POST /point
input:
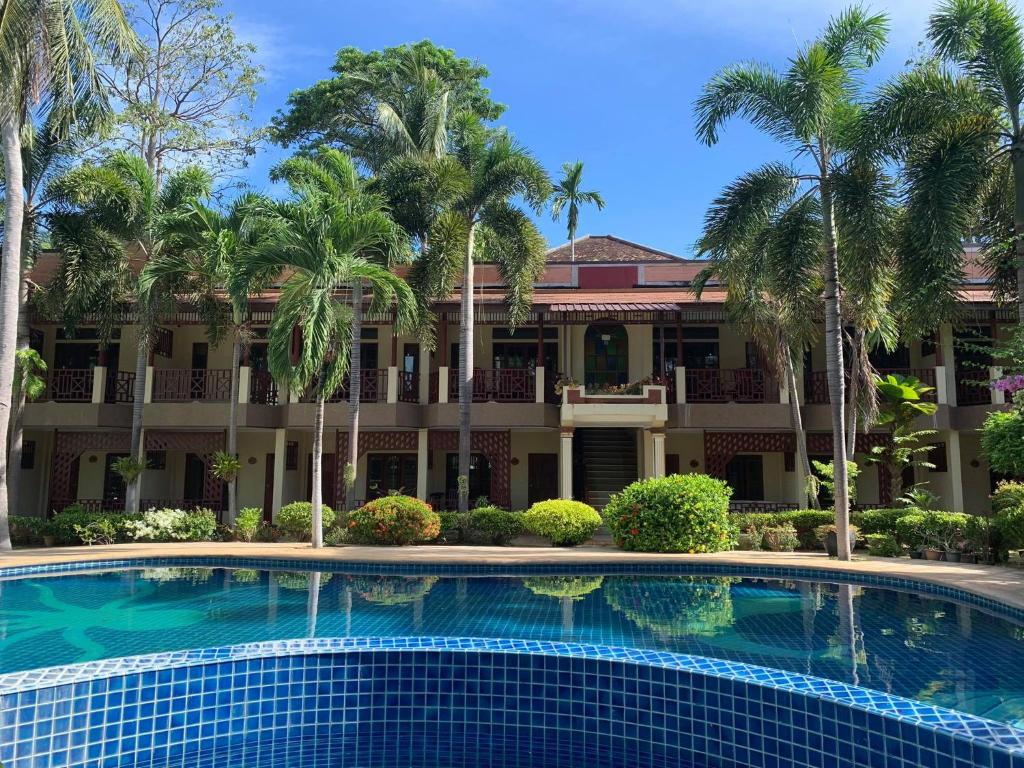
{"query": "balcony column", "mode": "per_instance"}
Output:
(954, 465)
(442, 384)
(680, 384)
(998, 395)
(424, 374)
(538, 384)
(392, 384)
(647, 448)
(148, 397)
(422, 462)
(99, 383)
(565, 463)
(280, 451)
(244, 376)
(658, 444)
(946, 360)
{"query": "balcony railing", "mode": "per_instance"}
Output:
(972, 388)
(761, 506)
(817, 384)
(725, 385)
(498, 385)
(120, 387)
(183, 385)
(70, 385)
(374, 388)
(408, 387)
(262, 388)
(213, 504)
(924, 375)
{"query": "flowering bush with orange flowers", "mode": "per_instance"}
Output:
(394, 520)
(679, 513)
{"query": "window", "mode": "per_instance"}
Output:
(113, 483)
(606, 355)
(28, 454)
(937, 456)
(479, 476)
(387, 473)
(291, 455)
(156, 459)
(745, 473)
(700, 347)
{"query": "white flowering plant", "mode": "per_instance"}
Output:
(173, 525)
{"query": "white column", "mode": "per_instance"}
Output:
(783, 391)
(392, 384)
(941, 387)
(680, 384)
(424, 374)
(998, 395)
(148, 397)
(955, 468)
(99, 383)
(422, 460)
(244, 373)
(442, 384)
(565, 465)
(647, 447)
(538, 384)
(948, 361)
(658, 439)
(280, 452)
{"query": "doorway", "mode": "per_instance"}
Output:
(542, 477)
(606, 356)
(390, 473)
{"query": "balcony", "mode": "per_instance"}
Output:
(497, 385)
(69, 385)
(120, 387)
(408, 387)
(726, 385)
(262, 388)
(374, 388)
(186, 385)
(816, 385)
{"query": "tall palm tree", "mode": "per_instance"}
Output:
(321, 240)
(47, 56)
(813, 109)
(106, 217)
(773, 275)
(484, 221)
(330, 173)
(955, 123)
(570, 195)
(209, 247)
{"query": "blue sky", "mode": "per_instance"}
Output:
(610, 82)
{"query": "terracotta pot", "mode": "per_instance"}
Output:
(933, 554)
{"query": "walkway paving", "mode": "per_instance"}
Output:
(999, 583)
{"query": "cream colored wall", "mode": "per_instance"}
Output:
(732, 349)
(689, 446)
(34, 482)
(252, 477)
(523, 444)
(975, 479)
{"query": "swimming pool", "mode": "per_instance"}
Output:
(918, 646)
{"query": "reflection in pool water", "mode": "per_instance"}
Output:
(911, 645)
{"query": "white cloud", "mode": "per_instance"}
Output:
(279, 48)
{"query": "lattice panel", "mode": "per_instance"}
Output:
(495, 445)
(203, 444)
(369, 441)
(720, 447)
(821, 442)
(68, 447)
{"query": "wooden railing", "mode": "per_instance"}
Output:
(374, 388)
(213, 504)
(408, 387)
(262, 388)
(120, 387)
(761, 506)
(817, 385)
(498, 385)
(724, 385)
(925, 375)
(972, 388)
(70, 385)
(182, 385)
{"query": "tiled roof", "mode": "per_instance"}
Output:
(606, 249)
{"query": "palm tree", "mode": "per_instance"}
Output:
(483, 220)
(958, 131)
(813, 109)
(328, 172)
(321, 240)
(568, 194)
(208, 249)
(47, 55)
(773, 276)
(106, 216)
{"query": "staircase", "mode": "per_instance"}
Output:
(609, 462)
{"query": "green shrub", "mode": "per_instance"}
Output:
(454, 527)
(679, 513)
(336, 537)
(679, 607)
(28, 531)
(911, 529)
(392, 590)
(248, 523)
(568, 587)
(100, 531)
(1007, 495)
(564, 521)
(883, 545)
(1002, 441)
(879, 520)
(173, 525)
(803, 520)
(394, 520)
(63, 526)
(779, 538)
(295, 520)
(494, 525)
(1009, 526)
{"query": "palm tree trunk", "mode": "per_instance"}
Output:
(798, 424)
(312, 603)
(236, 364)
(834, 367)
(133, 492)
(18, 417)
(1017, 159)
(572, 249)
(466, 373)
(317, 491)
(355, 387)
(855, 374)
(10, 274)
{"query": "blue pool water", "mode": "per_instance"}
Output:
(920, 647)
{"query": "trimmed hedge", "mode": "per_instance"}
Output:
(64, 525)
(494, 525)
(871, 521)
(567, 523)
(678, 513)
(804, 521)
(396, 520)
(296, 519)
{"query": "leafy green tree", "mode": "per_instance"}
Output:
(47, 57)
(330, 173)
(105, 216)
(570, 195)
(814, 109)
(484, 221)
(772, 270)
(901, 402)
(320, 239)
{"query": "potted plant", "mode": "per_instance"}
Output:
(751, 538)
(827, 535)
(49, 533)
(976, 538)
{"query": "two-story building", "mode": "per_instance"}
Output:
(552, 412)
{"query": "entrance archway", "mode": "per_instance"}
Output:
(606, 355)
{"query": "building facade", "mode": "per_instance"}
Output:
(619, 373)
